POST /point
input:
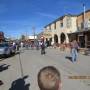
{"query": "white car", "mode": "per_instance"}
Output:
(5, 49)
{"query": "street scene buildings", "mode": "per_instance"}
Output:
(44, 42)
(68, 27)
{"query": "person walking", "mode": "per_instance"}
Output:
(42, 48)
(14, 46)
(22, 46)
(49, 78)
(74, 50)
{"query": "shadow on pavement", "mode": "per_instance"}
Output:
(1, 82)
(3, 67)
(69, 58)
(19, 84)
(5, 57)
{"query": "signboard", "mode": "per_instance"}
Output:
(47, 34)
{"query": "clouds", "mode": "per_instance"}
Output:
(16, 16)
(47, 15)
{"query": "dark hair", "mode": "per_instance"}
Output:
(49, 78)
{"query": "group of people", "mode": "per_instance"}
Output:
(38, 45)
(49, 77)
(74, 46)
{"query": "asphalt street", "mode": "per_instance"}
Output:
(20, 71)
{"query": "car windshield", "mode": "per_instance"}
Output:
(3, 45)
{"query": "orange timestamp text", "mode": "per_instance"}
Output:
(79, 77)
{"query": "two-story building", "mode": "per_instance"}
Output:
(69, 27)
(83, 29)
(61, 27)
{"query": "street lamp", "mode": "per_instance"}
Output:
(84, 15)
(33, 28)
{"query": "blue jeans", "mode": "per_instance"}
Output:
(74, 54)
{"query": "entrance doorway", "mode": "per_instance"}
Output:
(55, 38)
(50, 40)
(82, 41)
(62, 37)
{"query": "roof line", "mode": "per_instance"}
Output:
(60, 18)
(83, 12)
(64, 16)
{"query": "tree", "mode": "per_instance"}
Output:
(22, 37)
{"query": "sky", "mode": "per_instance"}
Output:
(18, 17)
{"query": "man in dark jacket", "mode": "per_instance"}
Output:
(42, 48)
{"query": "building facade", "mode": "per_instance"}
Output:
(82, 35)
(84, 29)
(69, 27)
(61, 27)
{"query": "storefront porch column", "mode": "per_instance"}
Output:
(85, 40)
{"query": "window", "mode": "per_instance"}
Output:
(50, 27)
(82, 25)
(61, 25)
(68, 22)
(55, 25)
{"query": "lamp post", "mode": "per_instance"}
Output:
(84, 25)
(84, 15)
(33, 28)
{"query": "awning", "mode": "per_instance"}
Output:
(80, 31)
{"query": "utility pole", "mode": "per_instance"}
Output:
(84, 15)
(26, 35)
(33, 28)
(84, 25)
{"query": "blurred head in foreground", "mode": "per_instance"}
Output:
(49, 78)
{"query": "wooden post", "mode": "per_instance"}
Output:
(85, 40)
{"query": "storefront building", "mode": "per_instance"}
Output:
(69, 27)
(82, 35)
(84, 29)
(61, 27)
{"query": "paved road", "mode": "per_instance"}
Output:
(28, 63)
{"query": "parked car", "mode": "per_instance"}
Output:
(6, 49)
